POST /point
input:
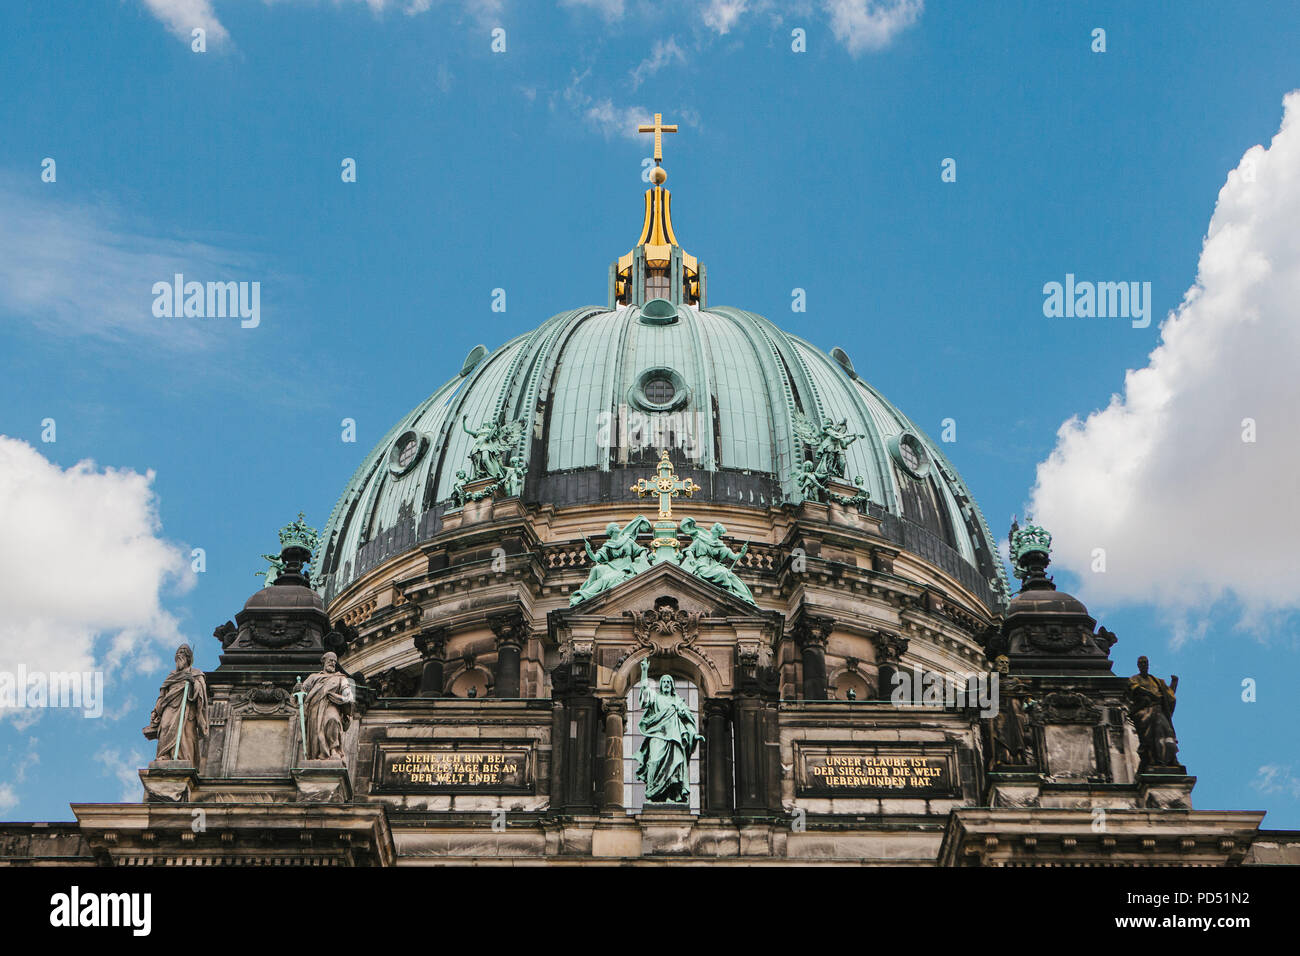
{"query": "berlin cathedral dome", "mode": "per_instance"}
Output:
(658, 581)
(598, 393)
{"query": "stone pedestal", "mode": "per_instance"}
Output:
(323, 781)
(169, 781)
(614, 838)
(666, 829)
(1165, 791)
(1014, 789)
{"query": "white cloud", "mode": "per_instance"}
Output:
(182, 16)
(1273, 778)
(662, 54)
(602, 115)
(8, 798)
(126, 770)
(82, 567)
(1187, 511)
(866, 25)
(79, 270)
(721, 15)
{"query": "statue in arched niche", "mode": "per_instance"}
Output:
(669, 737)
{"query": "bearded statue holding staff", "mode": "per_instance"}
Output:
(180, 715)
(669, 736)
(327, 703)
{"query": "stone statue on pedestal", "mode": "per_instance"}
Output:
(327, 702)
(1009, 728)
(180, 715)
(1151, 705)
(669, 737)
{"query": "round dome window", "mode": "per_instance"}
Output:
(407, 450)
(907, 450)
(659, 390)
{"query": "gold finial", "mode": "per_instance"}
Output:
(658, 129)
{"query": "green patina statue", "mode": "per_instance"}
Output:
(705, 555)
(829, 442)
(491, 458)
(296, 534)
(618, 559)
(669, 737)
(493, 441)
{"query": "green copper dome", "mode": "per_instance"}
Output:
(598, 393)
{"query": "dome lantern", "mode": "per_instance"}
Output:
(657, 267)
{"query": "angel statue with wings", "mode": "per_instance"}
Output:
(618, 559)
(829, 442)
(493, 441)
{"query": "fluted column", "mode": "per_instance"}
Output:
(612, 789)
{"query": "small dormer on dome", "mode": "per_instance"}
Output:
(657, 267)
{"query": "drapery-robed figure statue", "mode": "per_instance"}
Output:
(618, 559)
(181, 711)
(1151, 704)
(669, 737)
(327, 704)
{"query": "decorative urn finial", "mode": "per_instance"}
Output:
(1031, 549)
(298, 542)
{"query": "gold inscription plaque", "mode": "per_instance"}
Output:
(448, 769)
(831, 771)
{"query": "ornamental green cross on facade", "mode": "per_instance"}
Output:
(667, 486)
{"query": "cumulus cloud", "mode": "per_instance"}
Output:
(79, 269)
(869, 25)
(83, 566)
(181, 17)
(1188, 479)
(8, 798)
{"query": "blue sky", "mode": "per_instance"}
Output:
(518, 170)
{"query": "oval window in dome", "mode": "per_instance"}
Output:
(906, 449)
(407, 450)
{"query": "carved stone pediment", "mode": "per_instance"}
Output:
(640, 591)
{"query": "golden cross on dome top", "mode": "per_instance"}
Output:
(658, 129)
(667, 486)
